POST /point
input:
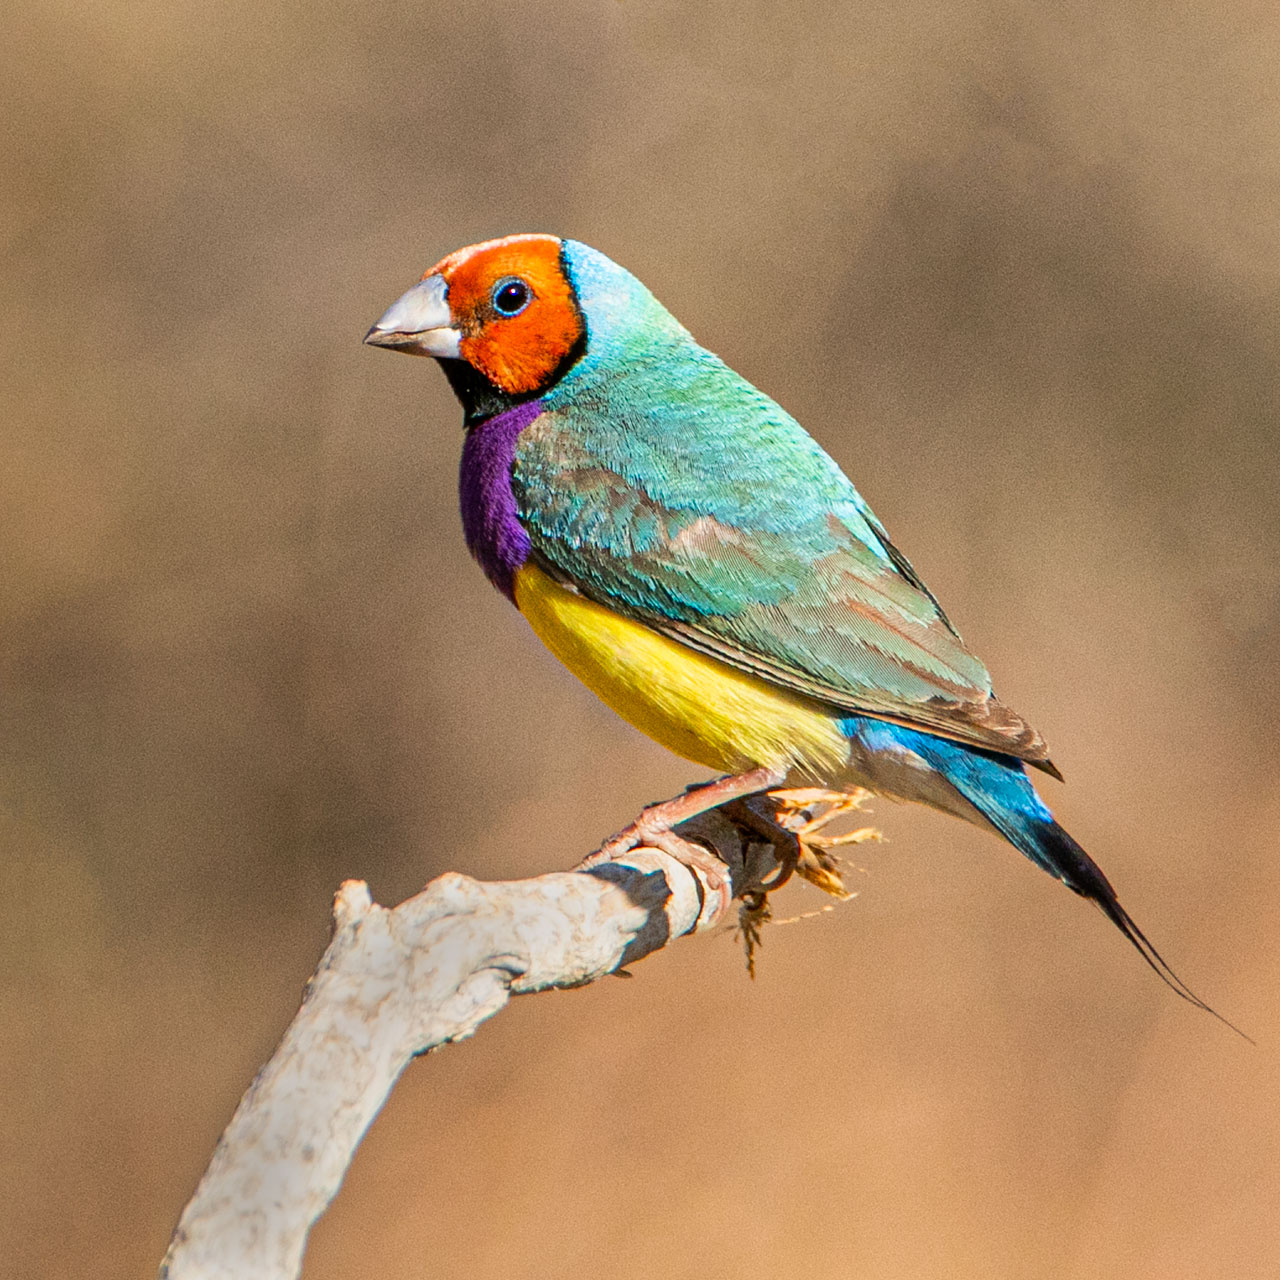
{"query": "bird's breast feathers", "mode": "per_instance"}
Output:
(694, 705)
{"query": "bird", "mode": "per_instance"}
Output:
(693, 555)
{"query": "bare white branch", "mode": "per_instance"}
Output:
(395, 983)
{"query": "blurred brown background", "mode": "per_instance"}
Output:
(1017, 266)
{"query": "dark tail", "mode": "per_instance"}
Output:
(1000, 790)
(1059, 854)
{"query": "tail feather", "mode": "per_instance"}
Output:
(1000, 790)
(1059, 853)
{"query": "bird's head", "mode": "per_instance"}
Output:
(502, 317)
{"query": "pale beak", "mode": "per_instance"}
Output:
(419, 323)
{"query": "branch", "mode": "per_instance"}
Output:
(397, 983)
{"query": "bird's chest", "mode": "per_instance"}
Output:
(692, 704)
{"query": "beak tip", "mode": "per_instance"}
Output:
(418, 323)
(387, 339)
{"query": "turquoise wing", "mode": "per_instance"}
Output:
(685, 498)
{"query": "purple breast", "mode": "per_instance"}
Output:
(493, 532)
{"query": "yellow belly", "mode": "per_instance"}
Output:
(692, 704)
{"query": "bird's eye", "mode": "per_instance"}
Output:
(510, 297)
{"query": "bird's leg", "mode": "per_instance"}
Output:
(655, 825)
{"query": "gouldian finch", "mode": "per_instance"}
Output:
(694, 557)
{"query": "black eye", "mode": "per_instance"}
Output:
(510, 297)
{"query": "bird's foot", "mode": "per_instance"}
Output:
(658, 822)
(652, 832)
(656, 825)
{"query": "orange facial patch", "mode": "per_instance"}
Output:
(517, 353)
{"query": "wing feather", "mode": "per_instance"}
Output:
(782, 571)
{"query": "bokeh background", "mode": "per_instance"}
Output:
(1017, 265)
